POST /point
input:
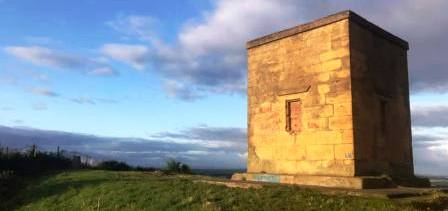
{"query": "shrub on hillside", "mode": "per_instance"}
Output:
(114, 165)
(174, 166)
(16, 166)
(32, 164)
(141, 168)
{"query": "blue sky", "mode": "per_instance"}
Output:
(132, 103)
(173, 72)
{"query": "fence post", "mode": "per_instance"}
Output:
(33, 150)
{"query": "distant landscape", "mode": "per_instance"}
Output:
(31, 180)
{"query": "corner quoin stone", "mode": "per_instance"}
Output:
(328, 105)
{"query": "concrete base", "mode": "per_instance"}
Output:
(333, 181)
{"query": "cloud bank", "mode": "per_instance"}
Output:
(208, 55)
(430, 116)
(202, 147)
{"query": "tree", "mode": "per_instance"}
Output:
(177, 167)
(185, 169)
(114, 165)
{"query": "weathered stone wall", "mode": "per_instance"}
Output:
(380, 93)
(313, 67)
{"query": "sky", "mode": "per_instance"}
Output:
(142, 81)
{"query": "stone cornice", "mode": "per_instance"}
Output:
(325, 21)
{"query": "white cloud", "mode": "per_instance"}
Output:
(44, 91)
(83, 100)
(430, 115)
(52, 58)
(233, 22)
(243, 155)
(104, 71)
(430, 147)
(423, 25)
(178, 90)
(208, 54)
(135, 25)
(45, 56)
(135, 55)
(92, 101)
(209, 137)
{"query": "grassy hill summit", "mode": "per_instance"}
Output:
(129, 190)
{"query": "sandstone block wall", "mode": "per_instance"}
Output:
(318, 98)
(380, 91)
(312, 67)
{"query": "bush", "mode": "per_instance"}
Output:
(114, 165)
(26, 164)
(141, 168)
(174, 166)
(16, 167)
(185, 169)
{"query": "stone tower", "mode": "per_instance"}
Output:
(328, 105)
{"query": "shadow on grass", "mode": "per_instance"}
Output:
(438, 203)
(27, 190)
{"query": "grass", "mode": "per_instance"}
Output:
(110, 190)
